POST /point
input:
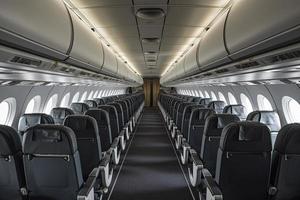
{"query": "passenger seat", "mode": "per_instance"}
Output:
(237, 109)
(79, 108)
(217, 106)
(31, 119)
(91, 103)
(59, 114)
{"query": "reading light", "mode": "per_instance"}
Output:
(150, 13)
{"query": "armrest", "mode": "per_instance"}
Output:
(127, 134)
(173, 131)
(116, 150)
(194, 168)
(178, 139)
(213, 191)
(122, 140)
(105, 170)
(184, 154)
(87, 190)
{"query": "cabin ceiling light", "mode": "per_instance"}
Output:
(150, 13)
(151, 40)
(151, 60)
(150, 52)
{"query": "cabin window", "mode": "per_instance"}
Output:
(91, 95)
(192, 92)
(75, 98)
(52, 102)
(65, 100)
(96, 94)
(197, 93)
(263, 103)
(201, 94)
(222, 97)
(206, 94)
(213, 96)
(100, 93)
(8, 111)
(231, 98)
(246, 103)
(291, 109)
(83, 97)
(33, 105)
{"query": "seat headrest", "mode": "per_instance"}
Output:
(201, 114)
(109, 108)
(91, 103)
(205, 101)
(288, 139)
(269, 118)
(216, 105)
(246, 136)
(49, 139)
(31, 119)
(79, 108)
(196, 99)
(10, 141)
(237, 109)
(101, 116)
(218, 122)
(61, 113)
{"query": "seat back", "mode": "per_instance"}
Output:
(269, 118)
(120, 114)
(286, 163)
(59, 114)
(205, 101)
(51, 162)
(31, 119)
(214, 125)
(218, 106)
(196, 126)
(11, 164)
(79, 108)
(238, 110)
(243, 162)
(99, 101)
(125, 110)
(103, 122)
(186, 118)
(91, 103)
(113, 118)
(180, 111)
(88, 141)
(196, 100)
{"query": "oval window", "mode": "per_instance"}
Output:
(231, 98)
(291, 109)
(201, 94)
(52, 102)
(83, 97)
(65, 100)
(206, 94)
(263, 103)
(91, 95)
(213, 96)
(33, 105)
(75, 98)
(8, 111)
(222, 97)
(96, 94)
(246, 103)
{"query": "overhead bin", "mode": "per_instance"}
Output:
(190, 61)
(39, 27)
(122, 69)
(87, 51)
(212, 51)
(110, 61)
(257, 26)
(179, 70)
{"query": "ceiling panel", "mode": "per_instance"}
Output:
(93, 3)
(217, 3)
(182, 31)
(114, 32)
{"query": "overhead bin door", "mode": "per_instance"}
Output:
(260, 25)
(191, 64)
(40, 27)
(110, 61)
(212, 51)
(86, 51)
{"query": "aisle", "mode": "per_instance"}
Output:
(150, 169)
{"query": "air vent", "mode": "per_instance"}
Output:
(150, 13)
(283, 57)
(151, 40)
(26, 61)
(247, 65)
(221, 71)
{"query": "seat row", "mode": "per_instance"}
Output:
(232, 159)
(73, 159)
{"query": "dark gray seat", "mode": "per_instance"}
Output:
(31, 119)
(285, 180)
(99, 101)
(52, 164)
(205, 101)
(59, 114)
(79, 108)
(89, 146)
(91, 103)
(238, 110)
(269, 118)
(12, 181)
(218, 106)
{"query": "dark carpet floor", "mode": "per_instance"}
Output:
(150, 169)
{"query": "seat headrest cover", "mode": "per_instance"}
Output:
(201, 114)
(79, 108)
(237, 109)
(218, 121)
(205, 101)
(246, 136)
(91, 103)
(80, 122)
(49, 139)
(288, 139)
(61, 112)
(10, 141)
(30, 119)
(269, 118)
(216, 105)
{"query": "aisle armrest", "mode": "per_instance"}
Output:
(106, 170)
(87, 190)
(184, 153)
(122, 140)
(194, 168)
(213, 191)
(173, 131)
(178, 139)
(116, 150)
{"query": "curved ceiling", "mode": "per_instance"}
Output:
(116, 23)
